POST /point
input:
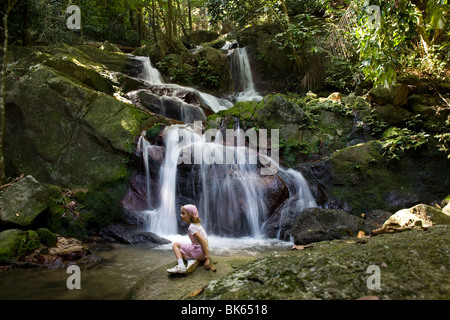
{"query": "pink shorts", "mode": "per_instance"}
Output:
(192, 251)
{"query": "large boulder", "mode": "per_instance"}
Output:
(212, 63)
(23, 202)
(171, 106)
(392, 115)
(396, 95)
(412, 266)
(358, 179)
(201, 36)
(420, 216)
(271, 65)
(130, 235)
(108, 46)
(305, 130)
(15, 243)
(65, 132)
(316, 224)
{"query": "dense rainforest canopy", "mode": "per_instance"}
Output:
(379, 38)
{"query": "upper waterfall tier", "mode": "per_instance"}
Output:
(242, 76)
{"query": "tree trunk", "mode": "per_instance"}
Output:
(190, 16)
(182, 19)
(11, 4)
(169, 20)
(297, 59)
(2, 102)
(154, 22)
(164, 17)
(139, 26)
(26, 30)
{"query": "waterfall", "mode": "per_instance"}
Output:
(163, 219)
(149, 73)
(242, 76)
(230, 195)
(217, 192)
(144, 148)
(152, 76)
(207, 170)
(299, 200)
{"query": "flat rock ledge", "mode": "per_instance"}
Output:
(160, 285)
(406, 265)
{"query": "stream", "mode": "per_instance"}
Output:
(119, 269)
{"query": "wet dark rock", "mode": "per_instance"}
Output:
(130, 235)
(315, 224)
(358, 180)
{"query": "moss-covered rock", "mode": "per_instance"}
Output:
(23, 202)
(108, 46)
(270, 61)
(315, 224)
(392, 115)
(306, 130)
(358, 178)
(9, 244)
(15, 243)
(88, 75)
(396, 95)
(85, 212)
(411, 265)
(81, 136)
(159, 285)
(198, 37)
(47, 237)
(213, 70)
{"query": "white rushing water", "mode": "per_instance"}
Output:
(149, 73)
(230, 194)
(153, 77)
(242, 76)
(215, 194)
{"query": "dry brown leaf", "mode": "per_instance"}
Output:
(369, 298)
(211, 267)
(195, 293)
(300, 247)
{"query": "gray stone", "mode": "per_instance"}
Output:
(23, 202)
(316, 224)
(418, 217)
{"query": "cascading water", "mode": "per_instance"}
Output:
(162, 219)
(300, 199)
(149, 73)
(231, 195)
(242, 76)
(154, 78)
